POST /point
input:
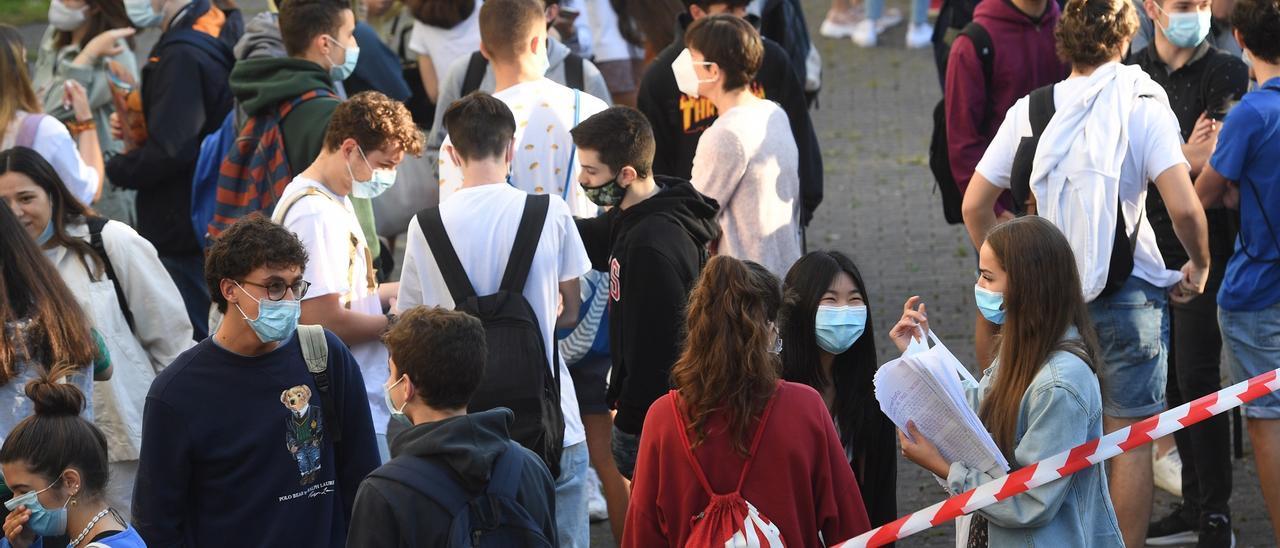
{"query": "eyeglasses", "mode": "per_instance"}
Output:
(276, 289)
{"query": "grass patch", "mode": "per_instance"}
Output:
(23, 12)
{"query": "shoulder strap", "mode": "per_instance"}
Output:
(755, 440)
(504, 481)
(282, 209)
(573, 150)
(27, 130)
(982, 44)
(428, 479)
(526, 243)
(574, 70)
(288, 106)
(315, 351)
(96, 224)
(455, 276)
(475, 73)
(1040, 110)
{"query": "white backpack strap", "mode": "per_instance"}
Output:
(282, 208)
(315, 349)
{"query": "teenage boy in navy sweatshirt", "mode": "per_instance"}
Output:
(652, 242)
(239, 444)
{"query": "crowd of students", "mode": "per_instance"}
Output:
(588, 320)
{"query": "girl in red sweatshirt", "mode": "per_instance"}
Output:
(731, 423)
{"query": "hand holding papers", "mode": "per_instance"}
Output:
(924, 386)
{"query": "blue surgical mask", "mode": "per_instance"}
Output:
(142, 14)
(838, 327)
(379, 182)
(1187, 30)
(990, 304)
(43, 522)
(348, 66)
(397, 414)
(277, 320)
(46, 235)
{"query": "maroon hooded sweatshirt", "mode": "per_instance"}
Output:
(1024, 60)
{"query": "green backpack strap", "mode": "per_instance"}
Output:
(315, 351)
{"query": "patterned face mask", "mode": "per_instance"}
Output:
(607, 195)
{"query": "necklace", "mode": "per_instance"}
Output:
(88, 528)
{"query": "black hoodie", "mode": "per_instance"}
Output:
(389, 514)
(679, 120)
(653, 252)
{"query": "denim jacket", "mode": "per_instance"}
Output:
(1062, 408)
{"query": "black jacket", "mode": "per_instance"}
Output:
(185, 96)
(678, 120)
(654, 252)
(388, 514)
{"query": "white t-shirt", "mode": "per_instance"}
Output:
(1155, 145)
(55, 145)
(545, 159)
(325, 224)
(481, 222)
(444, 46)
(607, 41)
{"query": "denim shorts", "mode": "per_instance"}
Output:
(1133, 330)
(625, 449)
(1253, 343)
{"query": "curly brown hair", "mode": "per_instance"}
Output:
(374, 121)
(729, 367)
(1093, 32)
(253, 241)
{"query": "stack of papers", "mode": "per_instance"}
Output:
(927, 388)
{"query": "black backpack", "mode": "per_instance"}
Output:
(573, 73)
(939, 155)
(96, 224)
(517, 375)
(493, 517)
(1040, 111)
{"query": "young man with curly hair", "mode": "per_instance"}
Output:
(367, 137)
(1242, 175)
(240, 441)
(1110, 132)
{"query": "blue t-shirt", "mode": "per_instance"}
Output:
(237, 450)
(1248, 154)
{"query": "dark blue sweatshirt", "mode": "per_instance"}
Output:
(236, 450)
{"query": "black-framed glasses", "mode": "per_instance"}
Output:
(276, 289)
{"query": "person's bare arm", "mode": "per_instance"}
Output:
(352, 327)
(427, 70)
(1212, 188)
(1191, 227)
(979, 201)
(570, 302)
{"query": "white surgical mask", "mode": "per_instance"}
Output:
(379, 180)
(65, 19)
(686, 78)
(142, 14)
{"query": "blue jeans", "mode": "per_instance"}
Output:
(919, 10)
(187, 272)
(1133, 330)
(571, 498)
(1253, 343)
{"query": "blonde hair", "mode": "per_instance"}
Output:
(16, 92)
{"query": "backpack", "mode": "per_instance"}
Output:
(477, 65)
(953, 17)
(1040, 111)
(204, 182)
(315, 351)
(96, 224)
(255, 171)
(939, 154)
(491, 518)
(516, 375)
(27, 130)
(729, 520)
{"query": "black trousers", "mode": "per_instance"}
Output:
(1195, 350)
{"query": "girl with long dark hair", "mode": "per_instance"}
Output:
(830, 346)
(732, 426)
(1040, 397)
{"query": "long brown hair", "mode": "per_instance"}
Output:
(102, 16)
(728, 364)
(32, 289)
(1042, 300)
(16, 92)
(66, 209)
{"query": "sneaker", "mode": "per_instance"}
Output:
(919, 36)
(1215, 532)
(1173, 530)
(597, 509)
(891, 17)
(864, 34)
(840, 24)
(1167, 471)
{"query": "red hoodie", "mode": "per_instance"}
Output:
(800, 478)
(1024, 60)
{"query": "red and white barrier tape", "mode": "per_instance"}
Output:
(1070, 461)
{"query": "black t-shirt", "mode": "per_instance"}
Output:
(1212, 82)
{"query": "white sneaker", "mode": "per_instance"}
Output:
(597, 509)
(919, 36)
(891, 17)
(864, 34)
(1167, 471)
